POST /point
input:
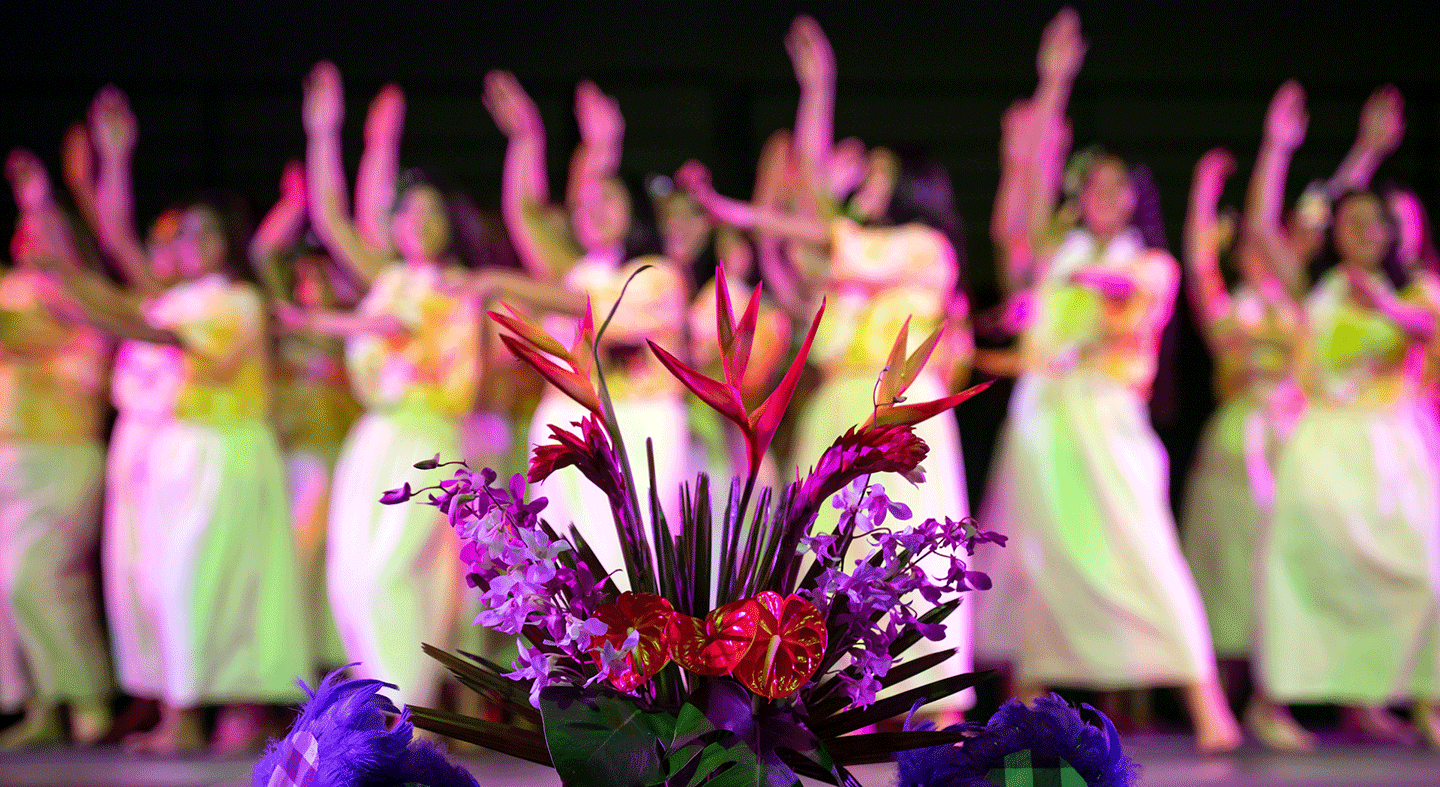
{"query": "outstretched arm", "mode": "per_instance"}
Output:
(1285, 125)
(379, 169)
(114, 131)
(525, 189)
(1382, 126)
(324, 111)
(694, 177)
(279, 230)
(1208, 299)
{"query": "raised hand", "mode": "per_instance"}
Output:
(1286, 120)
(112, 124)
(1062, 48)
(694, 178)
(324, 106)
(508, 103)
(1382, 120)
(1210, 173)
(386, 117)
(598, 115)
(810, 52)
(76, 157)
(28, 179)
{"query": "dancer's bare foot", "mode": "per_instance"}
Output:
(1216, 730)
(89, 722)
(1275, 728)
(1426, 716)
(40, 726)
(140, 715)
(179, 732)
(243, 727)
(1377, 724)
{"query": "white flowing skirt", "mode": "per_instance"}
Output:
(52, 647)
(1228, 496)
(845, 401)
(1349, 598)
(661, 419)
(223, 580)
(394, 571)
(123, 566)
(1101, 594)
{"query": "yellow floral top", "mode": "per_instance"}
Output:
(147, 379)
(1355, 354)
(52, 373)
(1076, 327)
(221, 325)
(654, 308)
(879, 277)
(435, 364)
(1254, 344)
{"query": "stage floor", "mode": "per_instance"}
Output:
(1168, 760)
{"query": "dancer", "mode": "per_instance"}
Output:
(314, 408)
(1253, 333)
(1104, 591)
(899, 266)
(1356, 487)
(144, 386)
(394, 573)
(611, 241)
(52, 369)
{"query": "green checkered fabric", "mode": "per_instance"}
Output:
(1023, 769)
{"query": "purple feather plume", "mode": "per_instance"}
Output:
(1050, 729)
(342, 725)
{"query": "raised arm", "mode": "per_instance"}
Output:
(78, 166)
(1285, 124)
(694, 177)
(324, 111)
(114, 131)
(42, 224)
(602, 137)
(1208, 299)
(279, 230)
(379, 169)
(814, 63)
(1062, 51)
(525, 189)
(1382, 126)
(1009, 219)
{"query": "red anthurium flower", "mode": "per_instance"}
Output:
(759, 427)
(645, 614)
(899, 373)
(712, 646)
(531, 345)
(788, 643)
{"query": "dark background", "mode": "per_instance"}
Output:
(216, 88)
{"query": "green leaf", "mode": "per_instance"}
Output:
(894, 706)
(505, 738)
(881, 746)
(600, 738)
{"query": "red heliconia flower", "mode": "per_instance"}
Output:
(712, 646)
(899, 373)
(758, 427)
(531, 345)
(788, 644)
(589, 451)
(645, 614)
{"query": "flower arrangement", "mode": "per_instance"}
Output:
(761, 678)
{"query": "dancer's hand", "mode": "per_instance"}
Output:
(810, 53)
(1062, 48)
(1286, 120)
(324, 106)
(1382, 121)
(598, 115)
(511, 107)
(386, 116)
(112, 124)
(1210, 173)
(28, 180)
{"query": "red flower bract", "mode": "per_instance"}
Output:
(645, 613)
(788, 643)
(712, 646)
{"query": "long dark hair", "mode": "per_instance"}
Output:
(1390, 264)
(924, 194)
